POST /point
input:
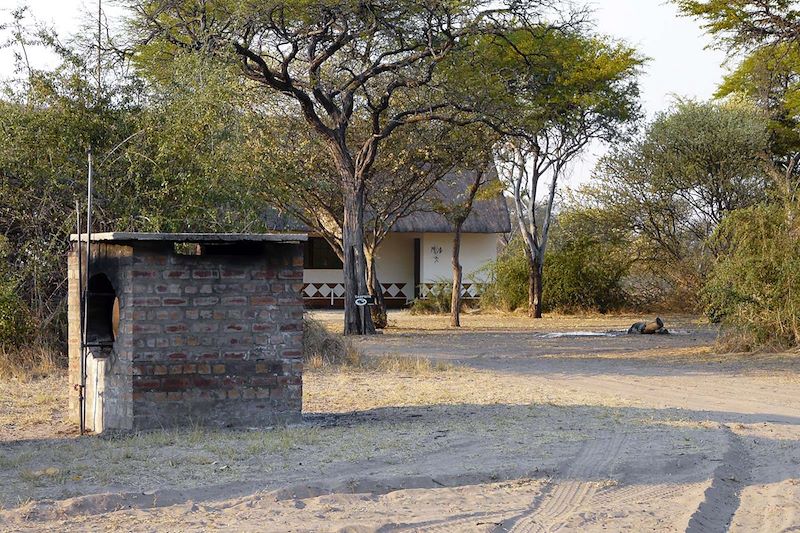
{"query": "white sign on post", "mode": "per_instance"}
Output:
(364, 299)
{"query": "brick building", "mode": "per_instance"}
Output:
(188, 328)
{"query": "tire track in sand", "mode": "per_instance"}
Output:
(564, 498)
(461, 522)
(636, 493)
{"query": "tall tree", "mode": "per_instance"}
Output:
(335, 61)
(762, 38)
(414, 160)
(752, 284)
(420, 157)
(456, 208)
(573, 88)
(745, 24)
(673, 186)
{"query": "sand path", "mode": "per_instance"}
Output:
(535, 434)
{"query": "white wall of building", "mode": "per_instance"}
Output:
(395, 261)
(477, 249)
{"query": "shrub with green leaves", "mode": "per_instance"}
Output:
(507, 287)
(16, 324)
(583, 270)
(437, 300)
(584, 274)
(754, 288)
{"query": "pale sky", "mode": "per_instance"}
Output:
(679, 62)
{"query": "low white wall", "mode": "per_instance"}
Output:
(395, 262)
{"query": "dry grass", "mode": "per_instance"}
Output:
(196, 457)
(31, 406)
(736, 341)
(28, 362)
(325, 350)
(414, 366)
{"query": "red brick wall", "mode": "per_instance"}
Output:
(214, 339)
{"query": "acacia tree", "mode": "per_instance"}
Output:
(753, 283)
(761, 36)
(671, 187)
(745, 24)
(334, 60)
(414, 161)
(396, 192)
(423, 158)
(456, 209)
(584, 93)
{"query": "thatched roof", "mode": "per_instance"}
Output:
(488, 215)
(279, 220)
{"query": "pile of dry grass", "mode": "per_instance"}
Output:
(323, 349)
(27, 362)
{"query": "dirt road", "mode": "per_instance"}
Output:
(529, 431)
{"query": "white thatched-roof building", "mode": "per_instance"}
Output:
(416, 253)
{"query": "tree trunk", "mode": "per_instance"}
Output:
(378, 310)
(537, 302)
(357, 319)
(534, 288)
(455, 298)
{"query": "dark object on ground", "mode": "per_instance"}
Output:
(649, 328)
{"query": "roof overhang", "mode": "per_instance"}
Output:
(129, 236)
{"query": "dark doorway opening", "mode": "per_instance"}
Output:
(102, 311)
(417, 267)
(318, 254)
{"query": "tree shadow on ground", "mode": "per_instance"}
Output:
(386, 449)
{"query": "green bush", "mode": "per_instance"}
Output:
(436, 302)
(754, 287)
(584, 274)
(16, 323)
(583, 271)
(507, 287)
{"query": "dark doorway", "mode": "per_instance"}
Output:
(102, 311)
(417, 266)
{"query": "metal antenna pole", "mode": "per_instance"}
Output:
(99, 50)
(87, 293)
(80, 385)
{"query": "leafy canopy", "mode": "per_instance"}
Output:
(742, 24)
(675, 184)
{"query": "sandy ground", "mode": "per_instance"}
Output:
(527, 430)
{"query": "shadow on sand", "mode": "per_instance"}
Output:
(580, 445)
